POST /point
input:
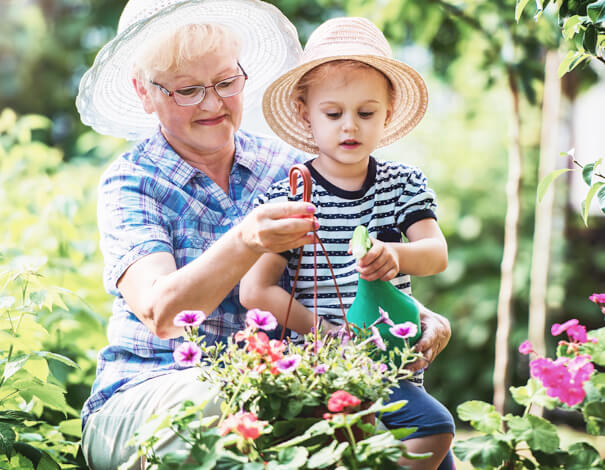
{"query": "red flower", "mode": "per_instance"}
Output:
(340, 400)
(244, 423)
(259, 343)
(276, 350)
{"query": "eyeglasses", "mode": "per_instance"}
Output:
(192, 95)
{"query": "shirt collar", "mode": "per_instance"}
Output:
(177, 170)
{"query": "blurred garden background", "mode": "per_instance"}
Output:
(500, 113)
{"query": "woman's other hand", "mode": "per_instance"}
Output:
(436, 333)
(278, 227)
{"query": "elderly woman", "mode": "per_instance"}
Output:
(176, 225)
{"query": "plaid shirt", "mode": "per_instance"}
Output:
(151, 200)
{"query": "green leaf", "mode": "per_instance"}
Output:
(571, 61)
(401, 433)
(594, 414)
(290, 458)
(14, 366)
(590, 39)
(596, 11)
(7, 439)
(591, 193)
(49, 394)
(71, 427)
(537, 432)
(483, 416)
(548, 179)
(14, 416)
(587, 173)
(38, 367)
(56, 357)
(601, 198)
(521, 4)
(534, 393)
(327, 455)
(584, 456)
(482, 451)
(571, 26)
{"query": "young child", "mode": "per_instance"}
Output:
(347, 98)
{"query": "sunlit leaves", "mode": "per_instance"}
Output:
(533, 393)
(596, 11)
(482, 416)
(548, 179)
(483, 451)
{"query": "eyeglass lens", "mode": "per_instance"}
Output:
(192, 95)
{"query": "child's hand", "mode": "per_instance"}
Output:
(381, 262)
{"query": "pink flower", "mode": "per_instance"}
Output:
(404, 330)
(187, 354)
(376, 339)
(597, 298)
(557, 328)
(383, 318)
(340, 400)
(276, 350)
(189, 318)
(563, 378)
(320, 369)
(577, 333)
(526, 347)
(261, 320)
(244, 423)
(288, 364)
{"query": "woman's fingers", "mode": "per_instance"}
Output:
(279, 227)
(436, 333)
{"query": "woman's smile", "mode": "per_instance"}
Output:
(211, 121)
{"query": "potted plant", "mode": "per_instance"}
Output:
(289, 405)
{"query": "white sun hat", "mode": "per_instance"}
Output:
(353, 39)
(107, 101)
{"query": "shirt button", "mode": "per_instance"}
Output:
(237, 179)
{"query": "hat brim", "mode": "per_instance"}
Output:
(409, 104)
(107, 100)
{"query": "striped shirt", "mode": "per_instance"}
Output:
(393, 197)
(151, 200)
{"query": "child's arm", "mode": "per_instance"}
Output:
(423, 255)
(259, 289)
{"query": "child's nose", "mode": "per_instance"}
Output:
(349, 124)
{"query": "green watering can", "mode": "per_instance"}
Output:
(373, 294)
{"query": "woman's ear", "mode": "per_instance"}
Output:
(143, 94)
(302, 112)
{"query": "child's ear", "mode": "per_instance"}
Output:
(302, 112)
(388, 116)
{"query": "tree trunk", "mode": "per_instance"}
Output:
(544, 210)
(505, 297)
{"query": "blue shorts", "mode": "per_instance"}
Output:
(421, 411)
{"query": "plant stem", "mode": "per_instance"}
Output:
(352, 441)
(8, 359)
(230, 404)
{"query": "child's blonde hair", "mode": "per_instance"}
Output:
(322, 72)
(183, 45)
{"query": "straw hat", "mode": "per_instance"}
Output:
(354, 39)
(107, 100)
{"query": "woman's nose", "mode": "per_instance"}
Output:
(211, 101)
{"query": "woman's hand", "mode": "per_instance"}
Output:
(278, 227)
(381, 262)
(436, 333)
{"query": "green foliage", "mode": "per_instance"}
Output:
(51, 293)
(581, 24)
(505, 446)
(591, 174)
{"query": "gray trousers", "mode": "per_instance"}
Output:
(108, 430)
